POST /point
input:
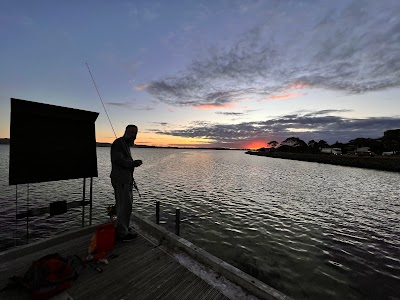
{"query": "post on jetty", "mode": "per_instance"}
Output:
(177, 220)
(158, 212)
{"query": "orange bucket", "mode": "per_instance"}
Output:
(105, 238)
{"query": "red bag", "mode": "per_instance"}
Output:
(50, 275)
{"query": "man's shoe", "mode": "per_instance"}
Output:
(129, 237)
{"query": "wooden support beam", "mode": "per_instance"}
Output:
(39, 211)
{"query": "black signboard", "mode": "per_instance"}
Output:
(49, 143)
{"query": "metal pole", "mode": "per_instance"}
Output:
(177, 220)
(27, 216)
(83, 202)
(16, 213)
(158, 212)
(91, 202)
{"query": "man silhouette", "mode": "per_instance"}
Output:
(122, 168)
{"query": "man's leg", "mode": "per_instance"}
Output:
(123, 197)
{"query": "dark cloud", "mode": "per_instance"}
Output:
(327, 112)
(226, 113)
(352, 47)
(129, 105)
(121, 104)
(314, 126)
(160, 123)
(199, 123)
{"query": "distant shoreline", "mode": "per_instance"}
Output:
(6, 141)
(170, 147)
(376, 162)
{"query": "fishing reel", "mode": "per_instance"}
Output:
(111, 211)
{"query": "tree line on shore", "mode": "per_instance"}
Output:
(388, 143)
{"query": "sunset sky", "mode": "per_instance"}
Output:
(235, 74)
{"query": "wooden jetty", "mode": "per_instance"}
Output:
(145, 268)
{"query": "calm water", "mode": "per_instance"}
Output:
(312, 231)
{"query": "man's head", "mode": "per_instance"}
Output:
(130, 133)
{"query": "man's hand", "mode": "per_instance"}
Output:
(137, 163)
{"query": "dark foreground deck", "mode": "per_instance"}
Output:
(141, 271)
(156, 265)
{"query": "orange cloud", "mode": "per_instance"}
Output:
(280, 97)
(141, 87)
(298, 85)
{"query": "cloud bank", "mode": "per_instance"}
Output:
(319, 125)
(352, 47)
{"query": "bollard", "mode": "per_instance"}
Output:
(91, 200)
(83, 202)
(177, 220)
(158, 212)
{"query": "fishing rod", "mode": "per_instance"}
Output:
(98, 93)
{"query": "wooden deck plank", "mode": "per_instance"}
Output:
(120, 267)
(146, 272)
(176, 284)
(141, 271)
(172, 284)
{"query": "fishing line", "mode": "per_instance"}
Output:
(98, 93)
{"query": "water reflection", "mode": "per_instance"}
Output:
(312, 231)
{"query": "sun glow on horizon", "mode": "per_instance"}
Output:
(256, 144)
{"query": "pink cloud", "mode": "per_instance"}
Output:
(298, 85)
(141, 87)
(281, 97)
(214, 106)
